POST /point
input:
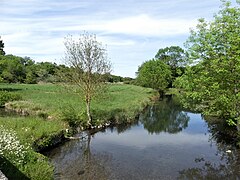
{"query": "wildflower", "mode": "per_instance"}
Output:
(10, 146)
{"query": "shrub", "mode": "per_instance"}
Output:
(8, 96)
(73, 117)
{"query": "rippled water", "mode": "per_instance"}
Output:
(165, 143)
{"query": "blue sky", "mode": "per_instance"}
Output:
(133, 30)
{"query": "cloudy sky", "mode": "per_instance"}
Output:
(133, 30)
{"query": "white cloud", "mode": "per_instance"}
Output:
(133, 30)
(144, 25)
(140, 25)
(136, 138)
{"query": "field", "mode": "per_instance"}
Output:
(49, 109)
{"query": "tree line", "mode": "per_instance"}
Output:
(15, 69)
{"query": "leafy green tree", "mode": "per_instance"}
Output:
(1, 47)
(88, 61)
(174, 56)
(214, 81)
(12, 69)
(154, 74)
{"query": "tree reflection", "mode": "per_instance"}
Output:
(229, 167)
(92, 165)
(165, 116)
(120, 128)
(75, 160)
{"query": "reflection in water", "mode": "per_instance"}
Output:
(229, 167)
(165, 116)
(166, 143)
(209, 170)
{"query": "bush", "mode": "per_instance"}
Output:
(73, 117)
(8, 96)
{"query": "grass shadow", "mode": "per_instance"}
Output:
(10, 89)
(10, 171)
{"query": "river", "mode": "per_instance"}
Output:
(166, 142)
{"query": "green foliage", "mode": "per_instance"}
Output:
(1, 47)
(214, 81)
(6, 96)
(154, 74)
(14, 69)
(175, 57)
(73, 117)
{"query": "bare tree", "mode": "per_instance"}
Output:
(88, 61)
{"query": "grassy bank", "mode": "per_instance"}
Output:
(50, 100)
(46, 107)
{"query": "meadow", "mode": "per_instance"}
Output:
(49, 109)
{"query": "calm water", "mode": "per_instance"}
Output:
(165, 143)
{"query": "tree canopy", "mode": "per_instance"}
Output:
(174, 56)
(214, 80)
(154, 74)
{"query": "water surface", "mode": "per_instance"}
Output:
(165, 143)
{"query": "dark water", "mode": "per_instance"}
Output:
(165, 143)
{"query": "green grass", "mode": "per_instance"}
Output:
(45, 104)
(29, 129)
(119, 101)
(122, 103)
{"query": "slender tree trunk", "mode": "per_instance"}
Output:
(89, 122)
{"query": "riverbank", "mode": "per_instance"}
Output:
(44, 108)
